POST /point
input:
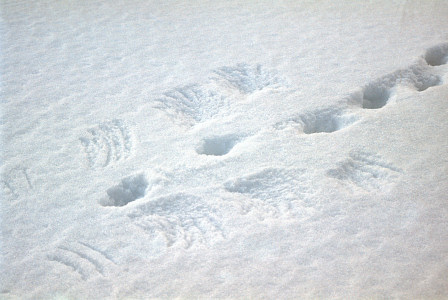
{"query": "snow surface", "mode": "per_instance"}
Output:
(233, 149)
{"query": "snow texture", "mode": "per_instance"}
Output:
(224, 150)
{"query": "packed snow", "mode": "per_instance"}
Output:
(232, 149)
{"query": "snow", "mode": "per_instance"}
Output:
(240, 149)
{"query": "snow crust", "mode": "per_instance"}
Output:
(233, 149)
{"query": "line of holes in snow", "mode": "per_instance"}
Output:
(373, 96)
(377, 93)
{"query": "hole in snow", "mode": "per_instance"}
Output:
(437, 55)
(325, 121)
(129, 189)
(375, 96)
(217, 146)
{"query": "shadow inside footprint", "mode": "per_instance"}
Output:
(217, 146)
(129, 189)
(325, 121)
(375, 96)
(437, 55)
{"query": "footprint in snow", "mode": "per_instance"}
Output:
(377, 93)
(437, 55)
(128, 190)
(218, 145)
(419, 77)
(324, 120)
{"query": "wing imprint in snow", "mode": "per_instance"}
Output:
(84, 259)
(180, 220)
(107, 143)
(365, 171)
(273, 191)
(192, 104)
(16, 182)
(249, 78)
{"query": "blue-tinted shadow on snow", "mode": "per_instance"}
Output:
(437, 55)
(218, 145)
(129, 189)
(319, 121)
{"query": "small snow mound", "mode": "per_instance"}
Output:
(437, 55)
(129, 189)
(249, 78)
(218, 146)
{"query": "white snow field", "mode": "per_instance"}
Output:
(224, 149)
